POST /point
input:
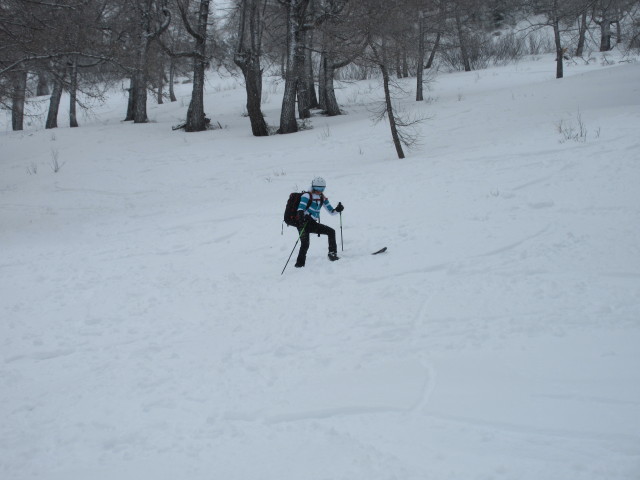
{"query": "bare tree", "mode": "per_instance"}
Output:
(606, 13)
(333, 59)
(340, 45)
(458, 9)
(429, 13)
(145, 28)
(299, 21)
(556, 14)
(175, 43)
(26, 36)
(381, 57)
(196, 119)
(603, 17)
(379, 22)
(430, 20)
(20, 42)
(582, 32)
(295, 14)
(54, 99)
(248, 57)
(18, 95)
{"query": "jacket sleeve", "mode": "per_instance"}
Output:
(329, 207)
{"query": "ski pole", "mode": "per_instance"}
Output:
(341, 239)
(294, 248)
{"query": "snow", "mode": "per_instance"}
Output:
(147, 332)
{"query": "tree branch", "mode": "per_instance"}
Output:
(59, 55)
(187, 24)
(173, 54)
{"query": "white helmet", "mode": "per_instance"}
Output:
(318, 183)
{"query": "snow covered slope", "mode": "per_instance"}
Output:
(147, 333)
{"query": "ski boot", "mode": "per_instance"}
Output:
(333, 256)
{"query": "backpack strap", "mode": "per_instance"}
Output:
(322, 199)
(310, 200)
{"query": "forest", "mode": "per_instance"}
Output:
(85, 47)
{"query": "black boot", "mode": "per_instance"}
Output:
(299, 263)
(333, 256)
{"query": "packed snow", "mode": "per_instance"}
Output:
(148, 334)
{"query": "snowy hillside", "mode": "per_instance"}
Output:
(147, 333)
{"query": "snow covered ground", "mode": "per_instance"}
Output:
(147, 333)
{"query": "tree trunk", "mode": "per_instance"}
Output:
(247, 57)
(54, 101)
(160, 95)
(405, 63)
(73, 93)
(559, 49)
(433, 51)
(160, 68)
(326, 76)
(131, 104)
(605, 34)
(312, 99)
(295, 60)
(390, 115)
(463, 44)
(253, 80)
(140, 86)
(196, 120)
(304, 107)
(322, 81)
(142, 65)
(172, 74)
(331, 106)
(304, 111)
(43, 84)
(140, 79)
(18, 96)
(582, 33)
(420, 67)
(283, 63)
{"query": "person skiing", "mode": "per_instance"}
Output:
(309, 220)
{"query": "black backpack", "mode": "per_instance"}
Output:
(291, 210)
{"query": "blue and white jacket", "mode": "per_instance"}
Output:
(315, 206)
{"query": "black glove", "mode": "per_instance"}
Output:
(300, 217)
(339, 208)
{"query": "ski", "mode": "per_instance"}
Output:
(383, 249)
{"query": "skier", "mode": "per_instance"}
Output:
(309, 220)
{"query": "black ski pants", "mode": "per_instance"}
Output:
(320, 229)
